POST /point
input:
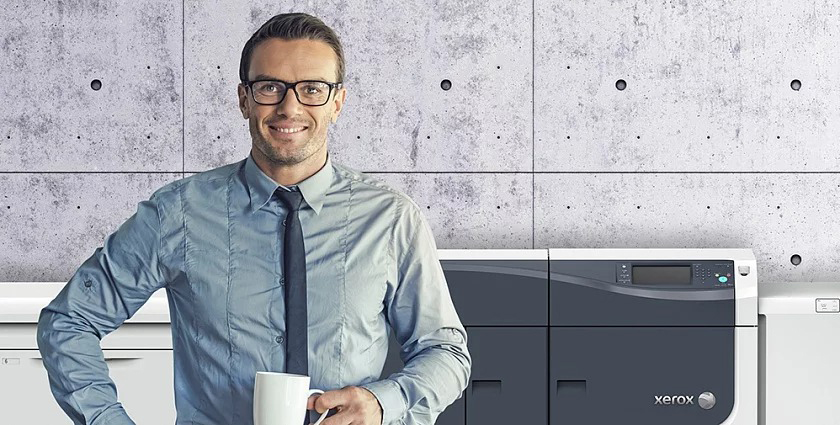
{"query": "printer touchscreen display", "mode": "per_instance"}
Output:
(661, 275)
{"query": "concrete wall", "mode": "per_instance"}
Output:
(708, 145)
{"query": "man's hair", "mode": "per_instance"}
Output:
(292, 26)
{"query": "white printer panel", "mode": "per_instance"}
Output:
(138, 355)
(143, 379)
(798, 349)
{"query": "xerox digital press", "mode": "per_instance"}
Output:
(605, 336)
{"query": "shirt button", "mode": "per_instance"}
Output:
(282, 281)
(279, 339)
(284, 221)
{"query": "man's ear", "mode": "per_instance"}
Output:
(243, 100)
(340, 96)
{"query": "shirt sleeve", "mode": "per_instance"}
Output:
(107, 289)
(434, 342)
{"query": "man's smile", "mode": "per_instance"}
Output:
(288, 130)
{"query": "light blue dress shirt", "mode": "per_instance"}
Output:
(214, 241)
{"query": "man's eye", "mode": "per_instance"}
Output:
(268, 88)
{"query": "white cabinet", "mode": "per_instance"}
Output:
(138, 355)
(143, 379)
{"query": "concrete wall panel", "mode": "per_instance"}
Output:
(708, 86)
(777, 215)
(52, 119)
(472, 210)
(52, 223)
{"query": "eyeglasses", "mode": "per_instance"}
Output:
(308, 92)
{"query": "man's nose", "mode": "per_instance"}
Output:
(290, 104)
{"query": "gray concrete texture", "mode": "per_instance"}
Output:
(533, 145)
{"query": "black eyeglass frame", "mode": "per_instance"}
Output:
(293, 86)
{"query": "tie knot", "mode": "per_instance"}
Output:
(291, 199)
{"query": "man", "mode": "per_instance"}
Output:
(284, 261)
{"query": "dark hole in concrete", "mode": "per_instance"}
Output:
(446, 84)
(796, 85)
(96, 84)
(795, 259)
(621, 84)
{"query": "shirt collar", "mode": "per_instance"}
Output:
(261, 187)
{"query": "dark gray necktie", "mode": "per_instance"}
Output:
(294, 273)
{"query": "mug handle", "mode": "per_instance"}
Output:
(323, 415)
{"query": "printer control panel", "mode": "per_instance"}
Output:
(676, 274)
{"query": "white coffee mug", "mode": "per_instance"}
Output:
(280, 399)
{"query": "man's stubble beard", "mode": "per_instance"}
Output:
(276, 157)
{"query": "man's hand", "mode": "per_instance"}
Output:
(356, 406)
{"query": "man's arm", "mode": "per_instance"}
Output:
(420, 310)
(106, 290)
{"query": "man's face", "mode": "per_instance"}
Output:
(291, 61)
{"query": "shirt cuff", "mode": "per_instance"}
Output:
(389, 394)
(116, 416)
